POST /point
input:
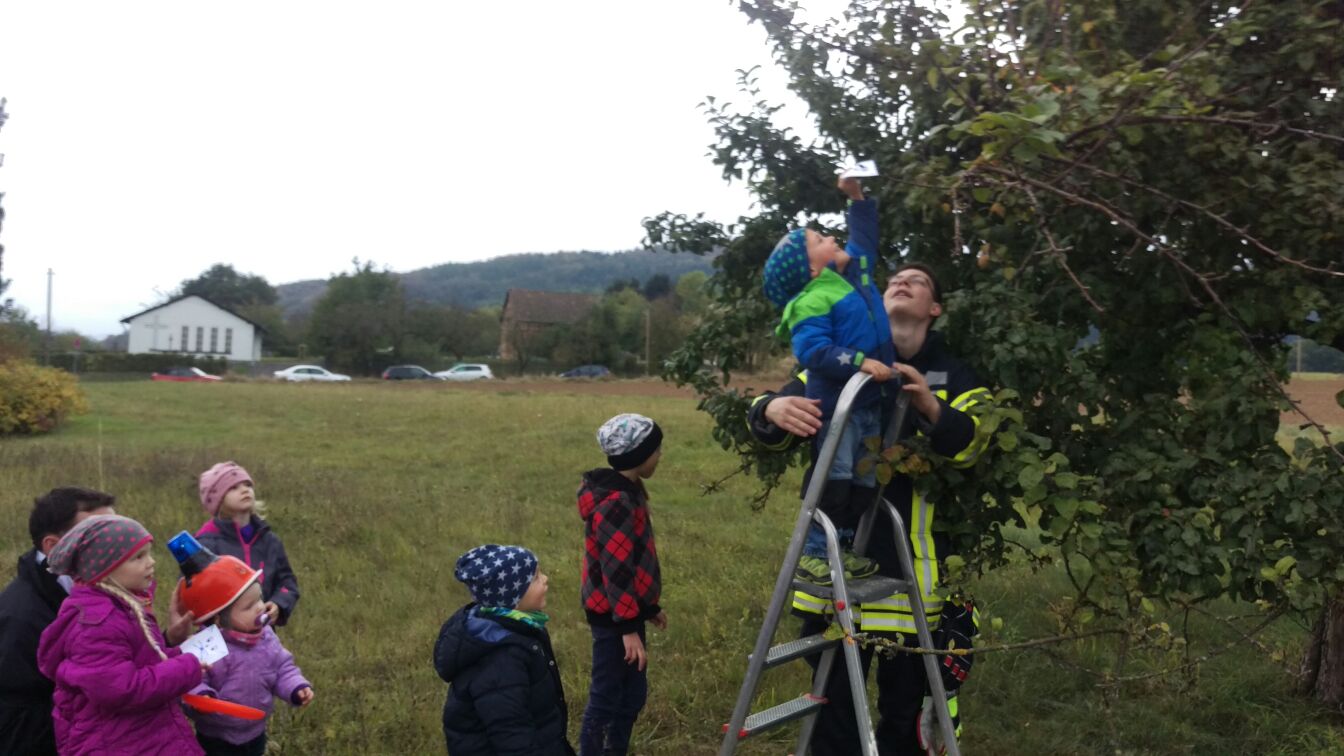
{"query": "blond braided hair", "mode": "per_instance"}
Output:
(110, 587)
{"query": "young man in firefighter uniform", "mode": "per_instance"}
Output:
(941, 389)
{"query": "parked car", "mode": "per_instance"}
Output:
(184, 375)
(308, 373)
(407, 373)
(466, 372)
(587, 371)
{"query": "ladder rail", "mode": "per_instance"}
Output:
(784, 583)
(858, 681)
(916, 595)
(865, 529)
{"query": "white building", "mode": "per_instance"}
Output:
(194, 325)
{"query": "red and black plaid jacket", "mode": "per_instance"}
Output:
(621, 581)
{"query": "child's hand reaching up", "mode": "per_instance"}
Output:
(634, 650)
(851, 187)
(272, 612)
(879, 371)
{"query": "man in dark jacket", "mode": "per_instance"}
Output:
(941, 390)
(27, 606)
(504, 695)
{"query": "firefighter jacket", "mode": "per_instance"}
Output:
(955, 437)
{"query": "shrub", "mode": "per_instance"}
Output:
(36, 399)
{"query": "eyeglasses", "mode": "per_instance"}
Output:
(915, 280)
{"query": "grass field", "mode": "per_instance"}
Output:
(376, 489)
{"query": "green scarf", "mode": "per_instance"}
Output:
(532, 619)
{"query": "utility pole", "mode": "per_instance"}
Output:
(648, 345)
(46, 345)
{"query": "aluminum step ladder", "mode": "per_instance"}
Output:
(844, 596)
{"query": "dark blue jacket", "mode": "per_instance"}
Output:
(838, 319)
(504, 694)
(263, 551)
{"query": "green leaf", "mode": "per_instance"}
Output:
(1030, 476)
(1091, 507)
(1132, 134)
(982, 193)
(1066, 507)
(1283, 565)
(932, 77)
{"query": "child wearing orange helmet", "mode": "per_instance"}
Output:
(224, 591)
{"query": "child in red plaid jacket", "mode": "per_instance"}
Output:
(621, 580)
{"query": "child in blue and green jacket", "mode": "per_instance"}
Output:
(833, 314)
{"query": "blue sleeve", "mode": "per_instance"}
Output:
(818, 354)
(861, 217)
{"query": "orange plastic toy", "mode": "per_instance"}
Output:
(209, 705)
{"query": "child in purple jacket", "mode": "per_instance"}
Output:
(257, 669)
(117, 684)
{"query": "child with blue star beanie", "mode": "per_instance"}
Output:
(833, 315)
(504, 692)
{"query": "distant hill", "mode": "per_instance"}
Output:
(482, 284)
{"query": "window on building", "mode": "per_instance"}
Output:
(228, 340)
(214, 339)
(200, 338)
(186, 338)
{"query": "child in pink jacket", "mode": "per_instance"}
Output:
(117, 683)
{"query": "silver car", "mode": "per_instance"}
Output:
(466, 372)
(308, 373)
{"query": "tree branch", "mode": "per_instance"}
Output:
(1216, 218)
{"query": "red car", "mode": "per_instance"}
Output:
(184, 375)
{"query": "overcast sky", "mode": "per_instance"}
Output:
(149, 140)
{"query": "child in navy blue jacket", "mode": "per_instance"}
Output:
(833, 314)
(504, 694)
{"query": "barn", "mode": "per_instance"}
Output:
(528, 313)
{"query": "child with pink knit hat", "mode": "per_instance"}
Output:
(236, 529)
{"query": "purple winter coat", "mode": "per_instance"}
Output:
(114, 695)
(252, 676)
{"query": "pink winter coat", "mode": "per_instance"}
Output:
(114, 695)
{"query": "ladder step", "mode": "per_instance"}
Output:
(866, 589)
(797, 649)
(779, 714)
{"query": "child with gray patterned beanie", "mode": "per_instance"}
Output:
(621, 580)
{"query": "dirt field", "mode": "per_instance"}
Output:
(608, 387)
(1316, 394)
